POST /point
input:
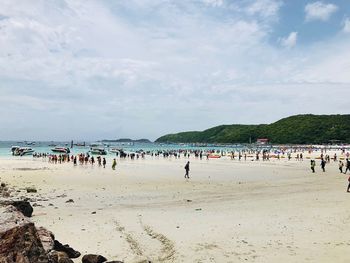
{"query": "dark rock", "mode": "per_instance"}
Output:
(3, 184)
(67, 249)
(90, 258)
(31, 190)
(70, 201)
(59, 257)
(24, 207)
(114, 261)
(19, 241)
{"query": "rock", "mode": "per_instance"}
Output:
(59, 257)
(114, 261)
(24, 207)
(70, 201)
(90, 258)
(3, 185)
(67, 249)
(6, 194)
(31, 190)
(19, 241)
(47, 238)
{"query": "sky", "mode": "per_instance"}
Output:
(104, 69)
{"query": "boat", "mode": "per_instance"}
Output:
(23, 151)
(115, 150)
(61, 150)
(80, 144)
(98, 151)
(214, 156)
(14, 148)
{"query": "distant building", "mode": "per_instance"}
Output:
(262, 141)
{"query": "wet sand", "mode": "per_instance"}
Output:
(229, 211)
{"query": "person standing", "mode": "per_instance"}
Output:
(104, 162)
(313, 164)
(348, 190)
(347, 165)
(323, 165)
(187, 169)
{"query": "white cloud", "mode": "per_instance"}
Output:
(346, 27)
(319, 11)
(290, 41)
(264, 8)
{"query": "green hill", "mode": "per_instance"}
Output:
(299, 129)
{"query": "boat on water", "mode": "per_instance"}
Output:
(14, 148)
(115, 150)
(21, 151)
(98, 151)
(61, 150)
(80, 144)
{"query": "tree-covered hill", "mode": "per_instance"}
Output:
(299, 129)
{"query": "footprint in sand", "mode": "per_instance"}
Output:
(167, 252)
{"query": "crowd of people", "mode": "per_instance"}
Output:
(253, 155)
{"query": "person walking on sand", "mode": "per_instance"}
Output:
(347, 167)
(341, 165)
(323, 165)
(114, 164)
(187, 169)
(313, 164)
(104, 162)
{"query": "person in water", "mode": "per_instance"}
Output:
(114, 164)
(187, 169)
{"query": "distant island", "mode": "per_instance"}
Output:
(298, 129)
(128, 140)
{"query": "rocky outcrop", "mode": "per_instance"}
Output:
(19, 240)
(47, 238)
(66, 249)
(59, 257)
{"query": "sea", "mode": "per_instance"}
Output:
(46, 146)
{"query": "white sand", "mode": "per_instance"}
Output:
(276, 211)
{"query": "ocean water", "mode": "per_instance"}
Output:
(44, 147)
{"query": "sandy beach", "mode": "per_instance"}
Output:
(229, 211)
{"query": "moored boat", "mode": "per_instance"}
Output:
(98, 151)
(23, 151)
(61, 150)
